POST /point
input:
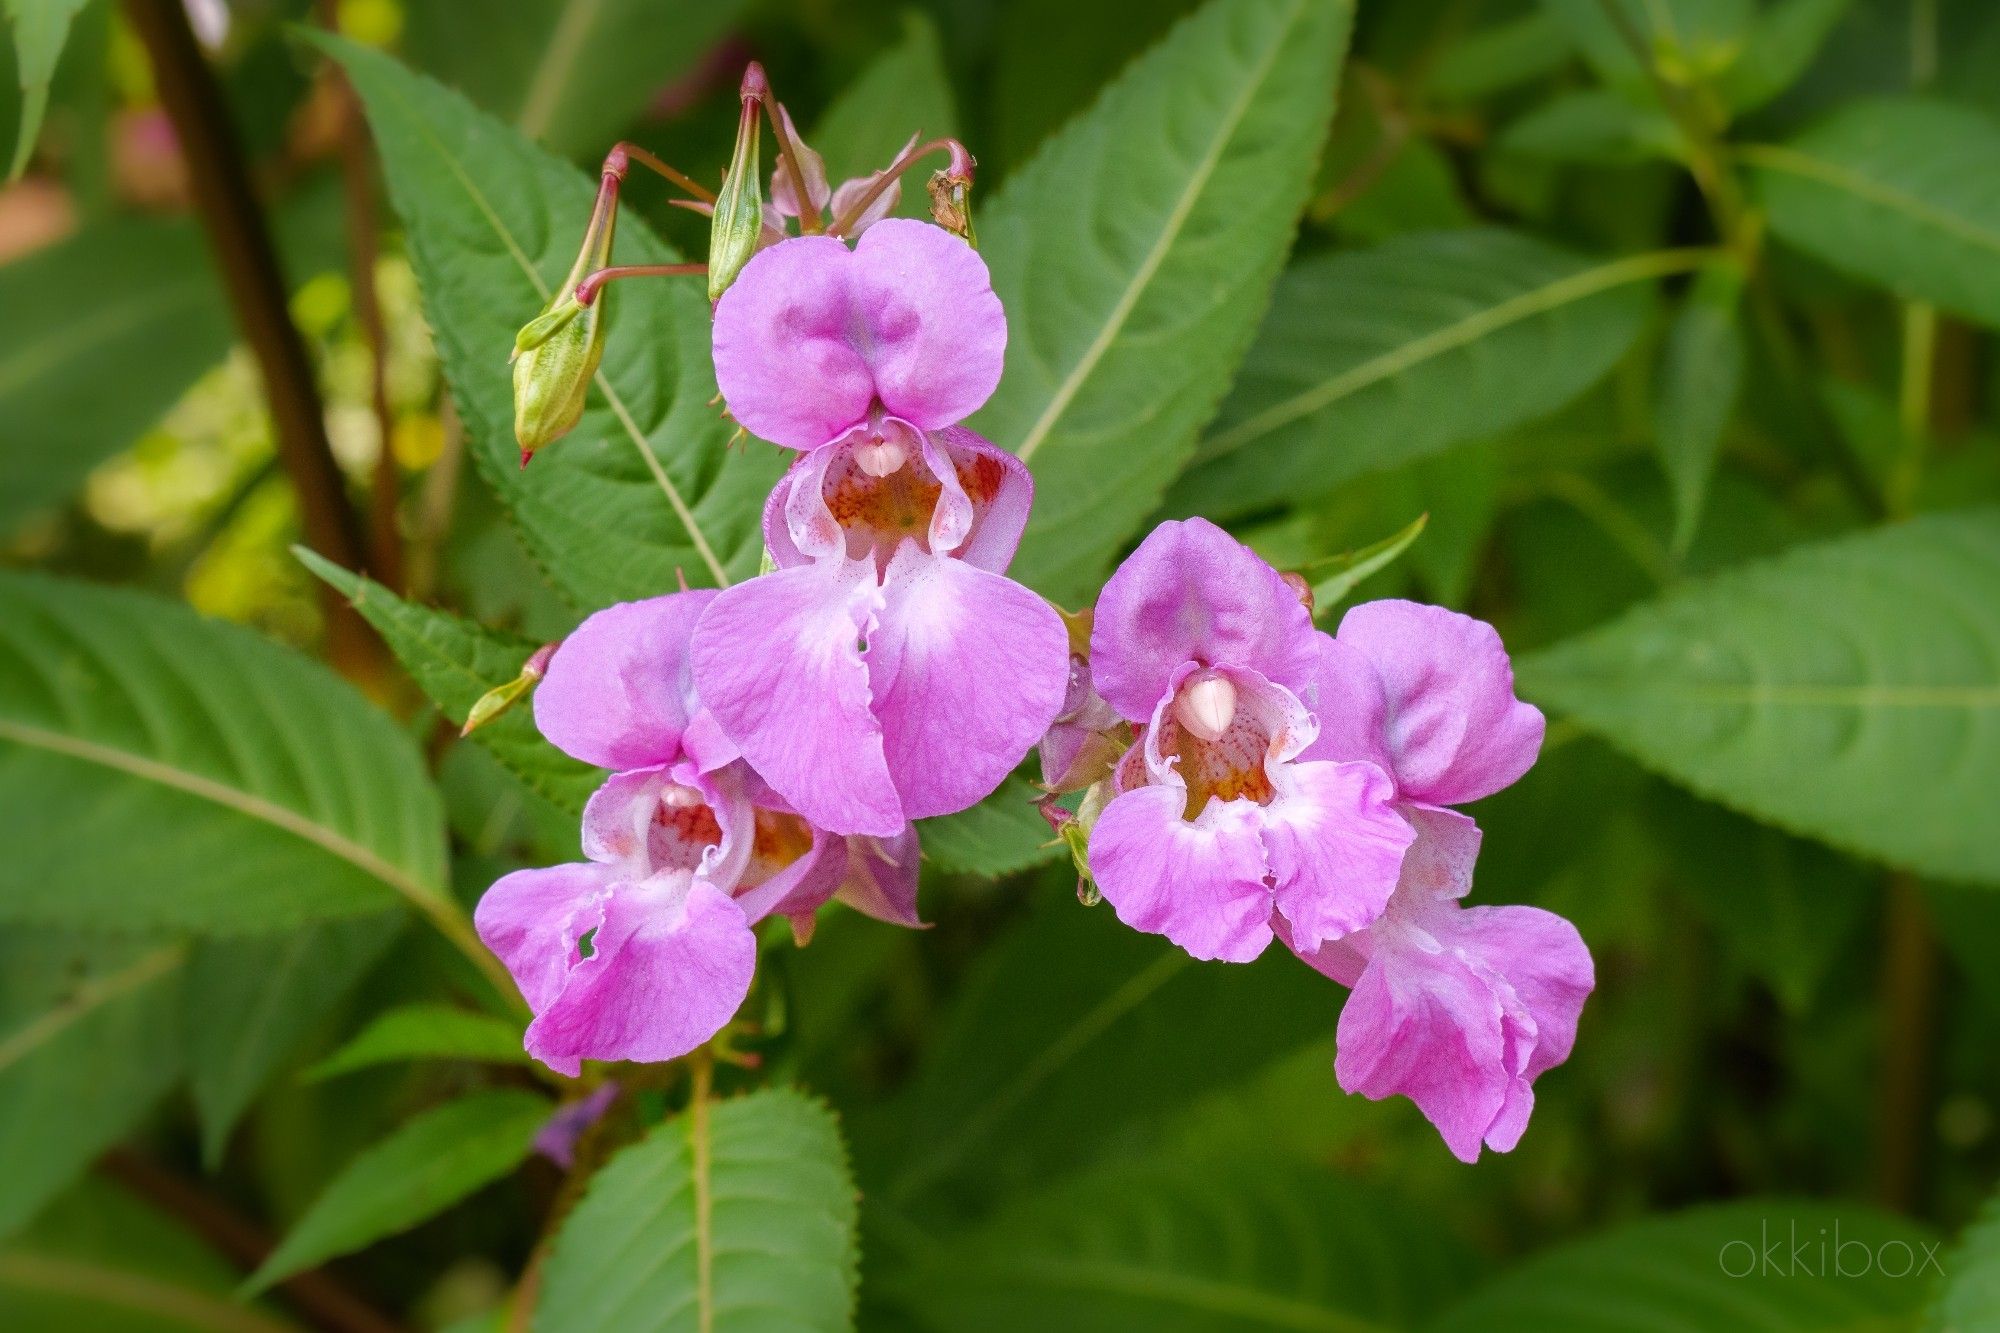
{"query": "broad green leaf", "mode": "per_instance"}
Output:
(161, 770)
(905, 91)
(41, 28)
(104, 332)
(88, 1043)
(455, 661)
(1503, 56)
(1759, 1266)
(1901, 192)
(250, 1001)
(1002, 834)
(424, 1167)
(1594, 126)
(1701, 372)
(1779, 46)
(99, 1261)
(427, 1032)
(1135, 253)
(1074, 1032)
(1968, 1297)
(736, 1216)
(1848, 691)
(644, 487)
(1371, 358)
(1192, 1246)
(1336, 576)
(570, 73)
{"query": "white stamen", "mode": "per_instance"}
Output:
(676, 797)
(880, 458)
(1207, 707)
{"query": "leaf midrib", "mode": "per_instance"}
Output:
(675, 500)
(245, 803)
(1128, 300)
(1777, 157)
(35, 359)
(63, 1276)
(1404, 357)
(90, 995)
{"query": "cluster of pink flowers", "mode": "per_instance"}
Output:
(1250, 777)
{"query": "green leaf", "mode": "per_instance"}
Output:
(736, 1216)
(129, 305)
(252, 1000)
(1847, 691)
(1780, 46)
(1731, 1268)
(1336, 576)
(1074, 1032)
(41, 28)
(1969, 1296)
(1001, 835)
(424, 1167)
(1143, 1248)
(426, 1032)
(88, 1043)
(1901, 192)
(161, 770)
(1701, 373)
(1371, 358)
(455, 661)
(1134, 254)
(1503, 56)
(1690, 40)
(644, 486)
(905, 91)
(570, 73)
(1594, 126)
(99, 1261)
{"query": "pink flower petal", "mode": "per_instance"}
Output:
(1193, 593)
(882, 878)
(617, 691)
(1455, 729)
(1200, 883)
(532, 919)
(1335, 846)
(968, 670)
(939, 334)
(777, 660)
(669, 966)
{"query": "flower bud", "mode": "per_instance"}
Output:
(503, 697)
(737, 224)
(556, 353)
(951, 196)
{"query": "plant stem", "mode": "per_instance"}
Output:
(314, 1293)
(357, 179)
(241, 243)
(701, 1069)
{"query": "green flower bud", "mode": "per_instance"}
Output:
(557, 352)
(738, 222)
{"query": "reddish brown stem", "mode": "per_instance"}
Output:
(1909, 1005)
(586, 291)
(961, 165)
(357, 178)
(241, 243)
(619, 156)
(314, 1294)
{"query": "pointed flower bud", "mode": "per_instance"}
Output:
(556, 354)
(503, 697)
(951, 196)
(737, 223)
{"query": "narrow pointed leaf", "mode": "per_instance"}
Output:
(424, 1167)
(1135, 253)
(1701, 373)
(740, 1219)
(1371, 358)
(161, 770)
(427, 1032)
(644, 486)
(1848, 691)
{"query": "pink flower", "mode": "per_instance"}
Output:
(1225, 822)
(887, 671)
(1458, 1009)
(645, 949)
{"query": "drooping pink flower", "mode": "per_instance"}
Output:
(1225, 823)
(1457, 1008)
(643, 950)
(887, 670)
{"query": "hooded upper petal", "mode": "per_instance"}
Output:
(1199, 882)
(778, 660)
(670, 964)
(1454, 729)
(812, 335)
(1193, 593)
(968, 669)
(618, 693)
